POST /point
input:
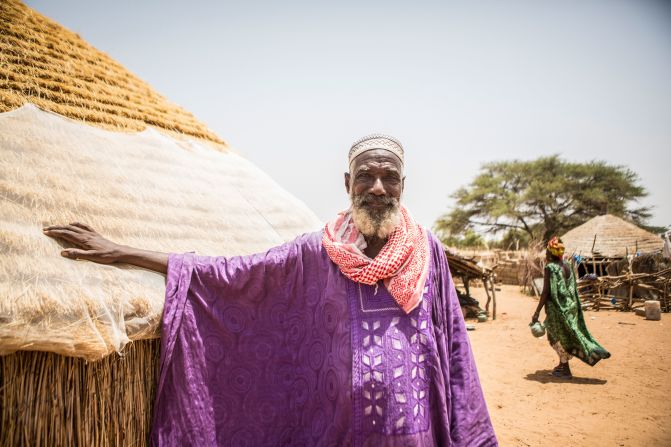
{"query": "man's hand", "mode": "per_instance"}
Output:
(92, 246)
(89, 244)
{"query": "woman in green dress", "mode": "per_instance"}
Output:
(565, 324)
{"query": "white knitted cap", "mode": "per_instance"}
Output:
(376, 141)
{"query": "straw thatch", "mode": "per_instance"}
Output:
(45, 64)
(145, 190)
(52, 400)
(615, 237)
(176, 190)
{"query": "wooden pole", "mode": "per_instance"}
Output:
(631, 285)
(489, 298)
(491, 281)
(592, 253)
(593, 264)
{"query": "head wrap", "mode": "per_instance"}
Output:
(556, 247)
(376, 141)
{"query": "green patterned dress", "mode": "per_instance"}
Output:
(565, 322)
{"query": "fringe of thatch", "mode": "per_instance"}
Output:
(51, 400)
(47, 65)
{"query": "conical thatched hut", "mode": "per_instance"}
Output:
(83, 139)
(606, 238)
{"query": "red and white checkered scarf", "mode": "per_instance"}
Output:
(403, 262)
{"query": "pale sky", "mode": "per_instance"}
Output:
(291, 84)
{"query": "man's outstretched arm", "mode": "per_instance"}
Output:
(93, 247)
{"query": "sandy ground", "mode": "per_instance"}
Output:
(622, 401)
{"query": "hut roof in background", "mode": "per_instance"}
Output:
(614, 238)
(43, 63)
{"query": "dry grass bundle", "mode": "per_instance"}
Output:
(145, 190)
(45, 64)
(532, 266)
(51, 400)
(608, 236)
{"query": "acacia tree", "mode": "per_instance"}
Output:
(543, 197)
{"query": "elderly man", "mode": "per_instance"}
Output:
(351, 335)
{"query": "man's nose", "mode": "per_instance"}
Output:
(378, 188)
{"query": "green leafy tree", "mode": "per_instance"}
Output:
(469, 239)
(512, 239)
(543, 197)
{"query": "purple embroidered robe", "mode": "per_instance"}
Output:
(281, 349)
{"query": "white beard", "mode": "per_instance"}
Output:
(379, 225)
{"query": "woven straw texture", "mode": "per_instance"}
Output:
(615, 237)
(145, 190)
(45, 64)
(48, 399)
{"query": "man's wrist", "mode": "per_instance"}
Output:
(122, 254)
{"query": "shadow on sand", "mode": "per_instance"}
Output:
(544, 376)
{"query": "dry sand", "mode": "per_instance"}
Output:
(622, 401)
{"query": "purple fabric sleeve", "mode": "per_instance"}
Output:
(469, 422)
(176, 288)
(254, 350)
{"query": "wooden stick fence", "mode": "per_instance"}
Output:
(601, 292)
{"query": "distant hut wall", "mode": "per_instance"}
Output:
(510, 271)
(510, 265)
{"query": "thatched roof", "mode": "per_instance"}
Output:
(465, 267)
(615, 237)
(154, 190)
(47, 65)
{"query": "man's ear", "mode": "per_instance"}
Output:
(347, 182)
